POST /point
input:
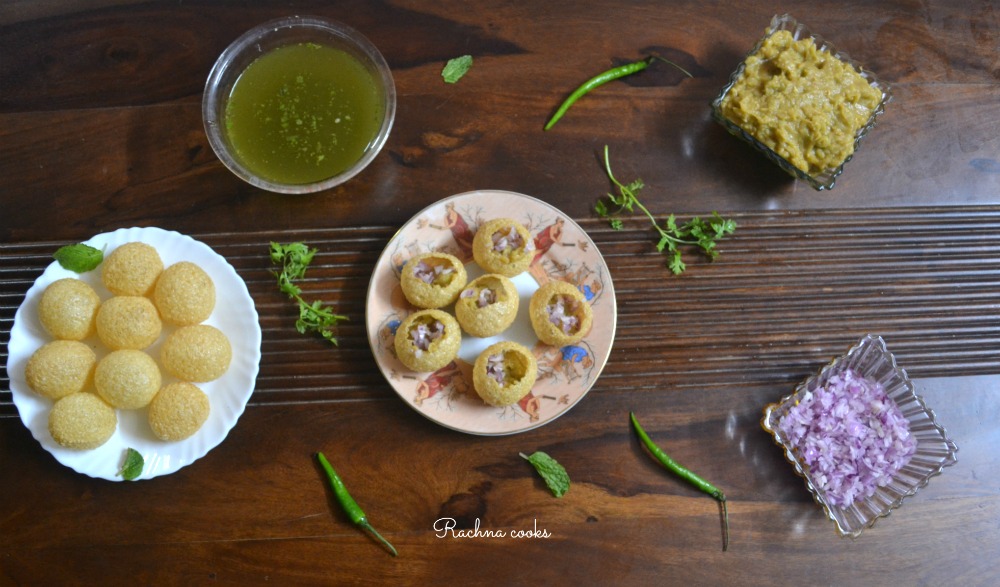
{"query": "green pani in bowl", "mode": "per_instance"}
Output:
(299, 105)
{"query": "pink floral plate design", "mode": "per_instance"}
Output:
(563, 252)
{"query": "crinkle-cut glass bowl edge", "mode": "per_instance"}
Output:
(935, 451)
(827, 179)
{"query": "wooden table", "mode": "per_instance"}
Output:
(100, 128)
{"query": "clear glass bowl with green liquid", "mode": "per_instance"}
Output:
(299, 105)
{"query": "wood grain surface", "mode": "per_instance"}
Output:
(100, 128)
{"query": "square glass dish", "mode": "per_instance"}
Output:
(934, 450)
(825, 179)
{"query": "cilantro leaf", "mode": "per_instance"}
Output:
(294, 259)
(456, 68)
(132, 465)
(79, 258)
(695, 232)
(554, 475)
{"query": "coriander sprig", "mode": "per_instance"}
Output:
(294, 259)
(695, 232)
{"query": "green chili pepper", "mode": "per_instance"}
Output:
(603, 78)
(350, 506)
(684, 473)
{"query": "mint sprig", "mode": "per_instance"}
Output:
(78, 258)
(132, 465)
(456, 68)
(554, 474)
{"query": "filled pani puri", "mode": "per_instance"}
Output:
(131, 269)
(427, 340)
(184, 294)
(127, 379)
(82, 421)
(487, 306)
(60, 368)
(196, 353)
(503, 246)
(560, 314)
(433, 280)
(504, 373)
(178, 411)
(67, 309)
(128, 322)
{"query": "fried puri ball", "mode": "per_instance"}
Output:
(487, 306)
(560, 314)
(178, 411)
(503, 246)
(82, 421)
(128, 322)
(131, 269)
(184, 294)
(432, 280)
(67, 309)
(60, 368)
(196, 353)
(504, 373)
(427, 340)
(127, 379)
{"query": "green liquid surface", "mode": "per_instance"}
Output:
(303, 113)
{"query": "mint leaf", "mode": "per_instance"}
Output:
(79, 258)
(552, 472)
(456, 68)
(131, 465)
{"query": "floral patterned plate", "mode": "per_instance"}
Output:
(563, 252)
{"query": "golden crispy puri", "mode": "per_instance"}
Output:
(128, 322)
(432, 280)
(67, 309)
(60, 368)
(427, 340)
(196, 353)
(560, 314)
(488, 305)
(127, 379)
(503, 246)
(131, 269)
(82, 421)
(178, 411)
(184, 294)
(504, 373)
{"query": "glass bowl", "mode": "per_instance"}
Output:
(314, 33)
(826, 179)
(871, 359)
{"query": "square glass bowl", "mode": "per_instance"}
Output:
(826, 179)
(871, 359)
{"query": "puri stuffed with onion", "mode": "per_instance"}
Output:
(560, 314)
(504, 373)
(488, 305)
(503, 246)
(427, 340)
(433, 280)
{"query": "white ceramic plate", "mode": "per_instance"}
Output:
(565, 252)
(234, 315)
